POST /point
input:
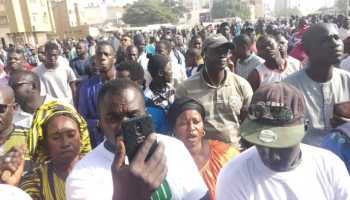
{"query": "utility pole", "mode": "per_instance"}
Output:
(347, 8)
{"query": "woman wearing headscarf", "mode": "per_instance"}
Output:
(186, 117)
(57, 140)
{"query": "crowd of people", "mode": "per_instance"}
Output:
(239, 111)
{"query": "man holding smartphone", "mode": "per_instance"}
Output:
(169, 172)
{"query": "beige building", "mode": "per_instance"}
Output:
(30, 21)
(65, 17)
(256, 7)
(94, 14)
(74, 19)
(4, 24)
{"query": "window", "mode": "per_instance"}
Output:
(3, 20)
(45, 18)
(34, 17)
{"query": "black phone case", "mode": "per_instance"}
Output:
(135, 131)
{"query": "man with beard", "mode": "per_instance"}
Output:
(323, 84)
(89, 89)
(275, 68)
(225, 95)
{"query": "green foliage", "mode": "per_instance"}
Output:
(144, 12)
(230, 8)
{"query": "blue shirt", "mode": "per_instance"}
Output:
(159, 117)
(339, 144)
(87, 106)
(150, 49)
(81, 67)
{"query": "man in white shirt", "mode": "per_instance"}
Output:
(57, 76)
(322, 83)
(278, 166)
(170, 171)
(26, 86)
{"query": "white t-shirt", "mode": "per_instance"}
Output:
(9, 192)
(24, 119)
(178, 69)
(57, 81)
(345, 64)
(319, 100)
(321, 175)
(91, 178)
(344, 33)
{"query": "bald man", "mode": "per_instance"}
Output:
(10, 135)
(26, 86)
(323, 85)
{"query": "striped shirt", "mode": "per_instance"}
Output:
(16, 139)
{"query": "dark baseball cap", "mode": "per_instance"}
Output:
(276, 117)
(217, 40)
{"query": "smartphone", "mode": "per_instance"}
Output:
(135, 131)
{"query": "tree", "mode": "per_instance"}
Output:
(145, 12)
(230, 8)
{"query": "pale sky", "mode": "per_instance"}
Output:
(305, 4)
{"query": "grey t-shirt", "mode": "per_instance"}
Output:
(57, 81)
(320, 99)
(245, 67)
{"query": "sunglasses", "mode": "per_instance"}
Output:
(4, 107)
(18, 84)
(274, 114)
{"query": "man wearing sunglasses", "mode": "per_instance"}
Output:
(27, 88)
(10, 135)
(279, 166)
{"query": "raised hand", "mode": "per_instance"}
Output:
(12, 165)
(141, 177)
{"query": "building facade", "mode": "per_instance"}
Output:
(31, 21)
(4, 25)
